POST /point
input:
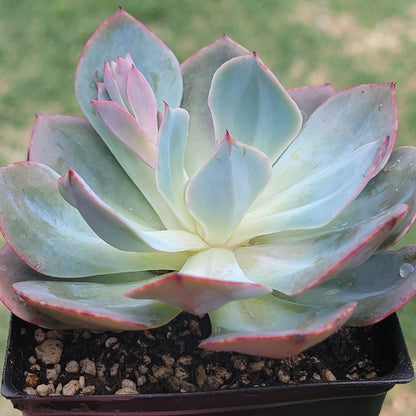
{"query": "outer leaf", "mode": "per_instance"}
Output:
(171, 178)
(116, 37)
(197, 72)
(51, 236)
(394, 185)
(208, 280)
(247, 100)
(308, 99)
(94, 305)
(64, 142)
(220, 193)
(12, 270)
(380, 286)
(272, 327)
(293, 262)
(348, 138)
(117, 230)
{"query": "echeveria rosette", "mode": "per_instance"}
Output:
(209, 188)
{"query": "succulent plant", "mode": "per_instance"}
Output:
(207, 187)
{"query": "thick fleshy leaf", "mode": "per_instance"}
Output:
(349, 138)
(13, 270)
(117, 230)
(197, 72)
(64, 142)
(171, 178)
(120, 70)
(220, 193)
(380, 286)
(143, 103)
(102, 93)
(52, 237)
(208, 280)
(270, 327)
(394, 185)
(247, 100)
(111, 86)
(292, 262)
(95, 305)
(118, 36)
(309, 204)
(125, 129)
(308, 99)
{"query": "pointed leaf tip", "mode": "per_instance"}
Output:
(246, 99)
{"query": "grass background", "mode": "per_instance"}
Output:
(346, 42)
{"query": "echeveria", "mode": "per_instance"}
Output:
(208, 188)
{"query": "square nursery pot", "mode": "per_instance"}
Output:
(340, 398)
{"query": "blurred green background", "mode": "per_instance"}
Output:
(346, 42)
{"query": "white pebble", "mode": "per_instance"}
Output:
(126, 390)
(126, 383)
(45, 389)
(110, 342)
(30, 391)
(88, 367)
(50, 351)
(58, 389)
(72, 367)
(114, 369)
(71, 388)
(53, 373)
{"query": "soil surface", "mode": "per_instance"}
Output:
(168, 359)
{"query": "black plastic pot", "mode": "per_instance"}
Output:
(340, 398)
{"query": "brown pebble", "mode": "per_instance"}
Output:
(168, 360)
(185, 360)
(283, 376)
(240, 363)
(256, 366)
(201, 376)
(88, 390)
(181, 373)
(141, 380)
(328, 375)
(39, 335)
(194, 327)
(55, 334)
(32, 380)
(161, 371)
